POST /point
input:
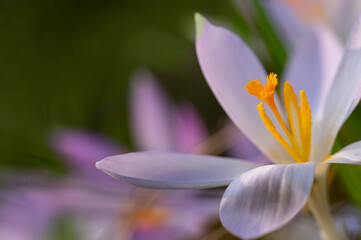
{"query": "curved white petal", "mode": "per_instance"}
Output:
(350, 154)
(228, 64)
(341, 98)
(313, 66)
(264, 199)
(166, 170)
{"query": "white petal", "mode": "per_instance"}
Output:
(341, 98)
(264, 199)
(350, 154)
(343, 14)
(286, 22)
(313, 66)
(166, 170)
(228, 64)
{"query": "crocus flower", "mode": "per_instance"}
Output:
(263, 199)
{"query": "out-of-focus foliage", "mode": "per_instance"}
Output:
(68, 63)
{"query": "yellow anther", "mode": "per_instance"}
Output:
(271, 127)
(272, 82)
(306, 120)
(299, 116)
(293, 113)
(266, 94)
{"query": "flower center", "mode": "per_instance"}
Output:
(298, 130)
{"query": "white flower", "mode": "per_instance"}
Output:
(265, 198)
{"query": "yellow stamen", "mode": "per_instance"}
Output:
(306, 120)
(293, 113)
(299, 116)
(269, 124)
(266, 94)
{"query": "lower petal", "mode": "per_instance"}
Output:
(264, 199)
(166, 170)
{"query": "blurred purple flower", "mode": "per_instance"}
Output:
(174, 215)
(31, 213)
(80, 148)
(157, 124)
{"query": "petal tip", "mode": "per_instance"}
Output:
(199, 22)
(101, 165)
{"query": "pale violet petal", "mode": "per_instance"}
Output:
(354, 48)
(166, 170)
(286, 22)
(313, 65)
(151, 114)
(342, 14)
(351, 154)
(341, 97)
(228, 64)
(265, 198)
